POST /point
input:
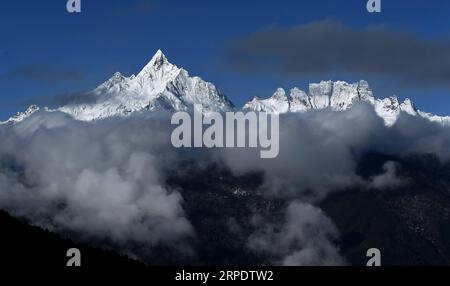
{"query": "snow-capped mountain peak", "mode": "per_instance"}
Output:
(158, 71)
(160, 85)
(20, 116)
(116, 83)
(158, 61)
(278, 103)
(409, 107)
(280, 94)
(300, 101)
(321, 94)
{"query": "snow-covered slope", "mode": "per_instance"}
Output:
(278, 103)
(445, 120)
(20, 116)
(160, 85)
(338, 96)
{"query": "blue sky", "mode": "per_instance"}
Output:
(45, 51)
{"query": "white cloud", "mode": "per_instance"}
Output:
(105, 182)
(304, 238)
(389, 179)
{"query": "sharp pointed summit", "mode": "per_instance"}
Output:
(159, 58)
(158, 61)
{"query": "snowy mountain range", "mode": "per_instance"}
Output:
(161, 85)
(338, 96)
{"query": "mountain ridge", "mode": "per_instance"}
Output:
(339, 96)
(161, 85)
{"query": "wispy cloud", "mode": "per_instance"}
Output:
(331, 48)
